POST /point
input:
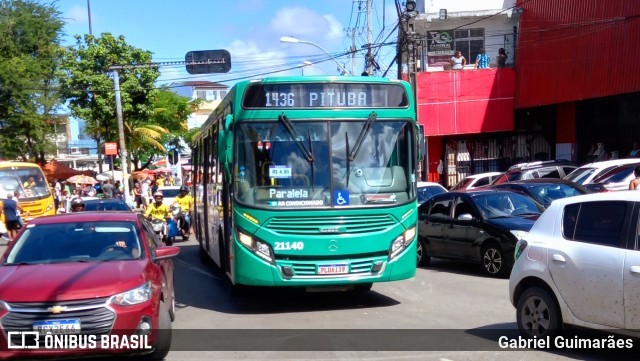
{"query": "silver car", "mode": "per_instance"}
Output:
(580, 265)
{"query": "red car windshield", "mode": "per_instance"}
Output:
(76, 242)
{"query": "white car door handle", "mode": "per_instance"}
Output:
(558, 258)
(635, 269)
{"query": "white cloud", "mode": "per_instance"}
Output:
(77, 15)
(307, 24)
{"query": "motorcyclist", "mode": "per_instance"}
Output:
(78, 205)
(157, 209)
(185, 201)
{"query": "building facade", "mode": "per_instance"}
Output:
(210, 93)
(566, 92)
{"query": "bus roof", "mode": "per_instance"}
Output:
(236, 92)
(11, 163)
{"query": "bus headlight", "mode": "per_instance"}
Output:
(402, 242)
(49, 207)
(261, 249)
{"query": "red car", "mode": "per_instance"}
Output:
(87, 278)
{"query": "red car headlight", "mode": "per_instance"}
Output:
(134, 296)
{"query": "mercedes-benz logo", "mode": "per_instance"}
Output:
(333, 245)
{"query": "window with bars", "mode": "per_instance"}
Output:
(469, 42)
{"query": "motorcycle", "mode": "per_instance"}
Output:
(182, 224)
(160, 229)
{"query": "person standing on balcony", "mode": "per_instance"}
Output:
(501, 59)
(458, 61)
(482, 60)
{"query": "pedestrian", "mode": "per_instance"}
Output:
(16, 197)
(108, 189)
(635, 150)
(501, 59)
(57, 189)
(633, 185)
(137, 195)
(482, 60)
(458, 61)
(10, 210)
(145, 190)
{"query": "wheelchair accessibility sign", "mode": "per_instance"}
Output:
(341, 198)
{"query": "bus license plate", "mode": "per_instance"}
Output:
(332, 269)
(57, 326)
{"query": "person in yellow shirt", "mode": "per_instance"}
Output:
(158, 210)
(160, 181)
(185, 201)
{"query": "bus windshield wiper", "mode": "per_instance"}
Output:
(362, 136)
(296, 137)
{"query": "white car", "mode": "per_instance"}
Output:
(588, 172)
(580, 265)
(427, 190)
(476, 180)
(169, 193)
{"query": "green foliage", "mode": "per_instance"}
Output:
(89, 86)
(30, 51)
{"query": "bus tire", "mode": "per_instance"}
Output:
(204, 257)
(363, 287)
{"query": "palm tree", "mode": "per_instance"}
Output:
(141, 138)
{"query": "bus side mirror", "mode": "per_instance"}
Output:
(227, 122)
(422, 145)
(225, 145)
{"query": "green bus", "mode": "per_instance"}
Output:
(309, 182)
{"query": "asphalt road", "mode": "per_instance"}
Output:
(449, 311)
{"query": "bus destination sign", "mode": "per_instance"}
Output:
(325, 95)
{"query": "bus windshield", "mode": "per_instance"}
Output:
(328, 163)
(29, 182)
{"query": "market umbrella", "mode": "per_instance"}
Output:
(109, 175)
(82, 179)
(159, 164)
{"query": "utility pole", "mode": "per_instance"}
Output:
(353, 51)
(369, 40)
(124, 157)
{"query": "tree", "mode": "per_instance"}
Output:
(88, 85)
(30, 51)
(170, 111)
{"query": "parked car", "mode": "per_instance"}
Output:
(94, 273)
(480, 226)
(427, 190)
(544, 191)
(580, 265)
(616, 179)
(543, 169)
(588, 172)
(476, 180)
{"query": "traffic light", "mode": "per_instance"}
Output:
(173, 156)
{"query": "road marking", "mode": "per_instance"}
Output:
(194, 268)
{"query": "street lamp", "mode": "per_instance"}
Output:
(291, 39)
(308, 63)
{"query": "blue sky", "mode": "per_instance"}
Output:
(249, 29)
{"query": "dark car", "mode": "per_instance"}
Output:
(544, 169)
(88, 273)
(544, 191)
(480, 226)
(111, 204)
(93, 204)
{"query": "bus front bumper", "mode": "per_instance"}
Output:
(250, 269)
